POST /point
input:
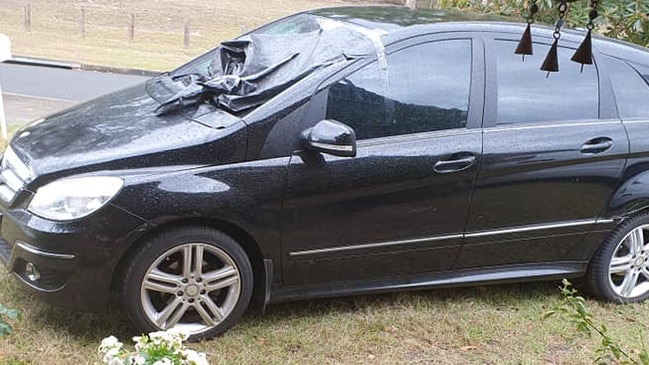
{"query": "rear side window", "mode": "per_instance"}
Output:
(425, 88)
(630, 87)
(527, 94)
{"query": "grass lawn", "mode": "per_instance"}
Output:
(476, 325)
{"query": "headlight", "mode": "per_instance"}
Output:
(74, 198)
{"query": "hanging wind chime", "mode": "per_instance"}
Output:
(551, 63)
(584, 53)
(524, 47)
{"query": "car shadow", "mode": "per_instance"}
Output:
(91, 328)
(501, 297)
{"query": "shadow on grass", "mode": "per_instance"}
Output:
(500, 296)
(91, 328)
(84, 327)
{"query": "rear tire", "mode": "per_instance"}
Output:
(197, 279)
(619, 270)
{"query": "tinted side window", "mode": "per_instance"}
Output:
(631, 89)
(527, 94)
(425, 88)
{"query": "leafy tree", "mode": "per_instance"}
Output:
(623, 19)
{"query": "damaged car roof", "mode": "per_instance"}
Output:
(245, 72)
(391, 18)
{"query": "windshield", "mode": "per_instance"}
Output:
(249, 70)
(295, 24)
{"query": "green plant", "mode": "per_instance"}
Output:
(574, 307)
(7, 314)
(623, 19)
(156, 348)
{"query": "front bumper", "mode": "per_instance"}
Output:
(74, 261)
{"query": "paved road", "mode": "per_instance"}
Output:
(31, 92)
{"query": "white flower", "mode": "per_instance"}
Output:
(179, 333)
(110, 342)
(116, 361)
(164, 361)
(164, 343)
(137, 359)
(111, 354)
(158, 335)
(194, 358)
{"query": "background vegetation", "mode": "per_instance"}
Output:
(623, 19)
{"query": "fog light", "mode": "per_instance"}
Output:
(32, 273)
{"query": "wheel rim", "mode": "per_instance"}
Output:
(194, 287)
(629, 267)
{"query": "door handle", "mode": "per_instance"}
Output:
(596, 145)
(455, 163)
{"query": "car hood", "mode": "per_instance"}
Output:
(121, 131)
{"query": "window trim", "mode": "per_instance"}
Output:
(476, 87)
(607, 106)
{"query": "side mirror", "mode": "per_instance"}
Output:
(330, 136)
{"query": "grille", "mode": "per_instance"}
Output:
(14, 174)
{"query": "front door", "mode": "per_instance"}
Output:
(399, 207)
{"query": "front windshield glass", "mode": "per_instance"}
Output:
(295, 24)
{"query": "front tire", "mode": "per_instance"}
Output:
(196, 279)
(619, 270)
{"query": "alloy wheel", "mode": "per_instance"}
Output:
(629, 266)
(194, 286)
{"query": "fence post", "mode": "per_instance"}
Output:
(131, 28)
(82, 23)
(186, 34)
(28, 18)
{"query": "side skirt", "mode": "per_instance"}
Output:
(492, 275)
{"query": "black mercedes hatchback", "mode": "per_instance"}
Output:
(336, 152)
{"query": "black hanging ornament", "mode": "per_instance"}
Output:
(584, 53)
(551, 63)
(525, 44)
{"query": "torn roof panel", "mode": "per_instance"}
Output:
(246, 72)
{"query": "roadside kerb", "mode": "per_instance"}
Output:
(41, 62)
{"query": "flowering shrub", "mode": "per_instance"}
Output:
(157, 348)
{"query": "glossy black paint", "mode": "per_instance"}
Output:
(330, 137)
(482, 203)
(337, 202)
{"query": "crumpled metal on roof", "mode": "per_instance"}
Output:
(250, 70)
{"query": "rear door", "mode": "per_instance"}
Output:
(554, 150)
